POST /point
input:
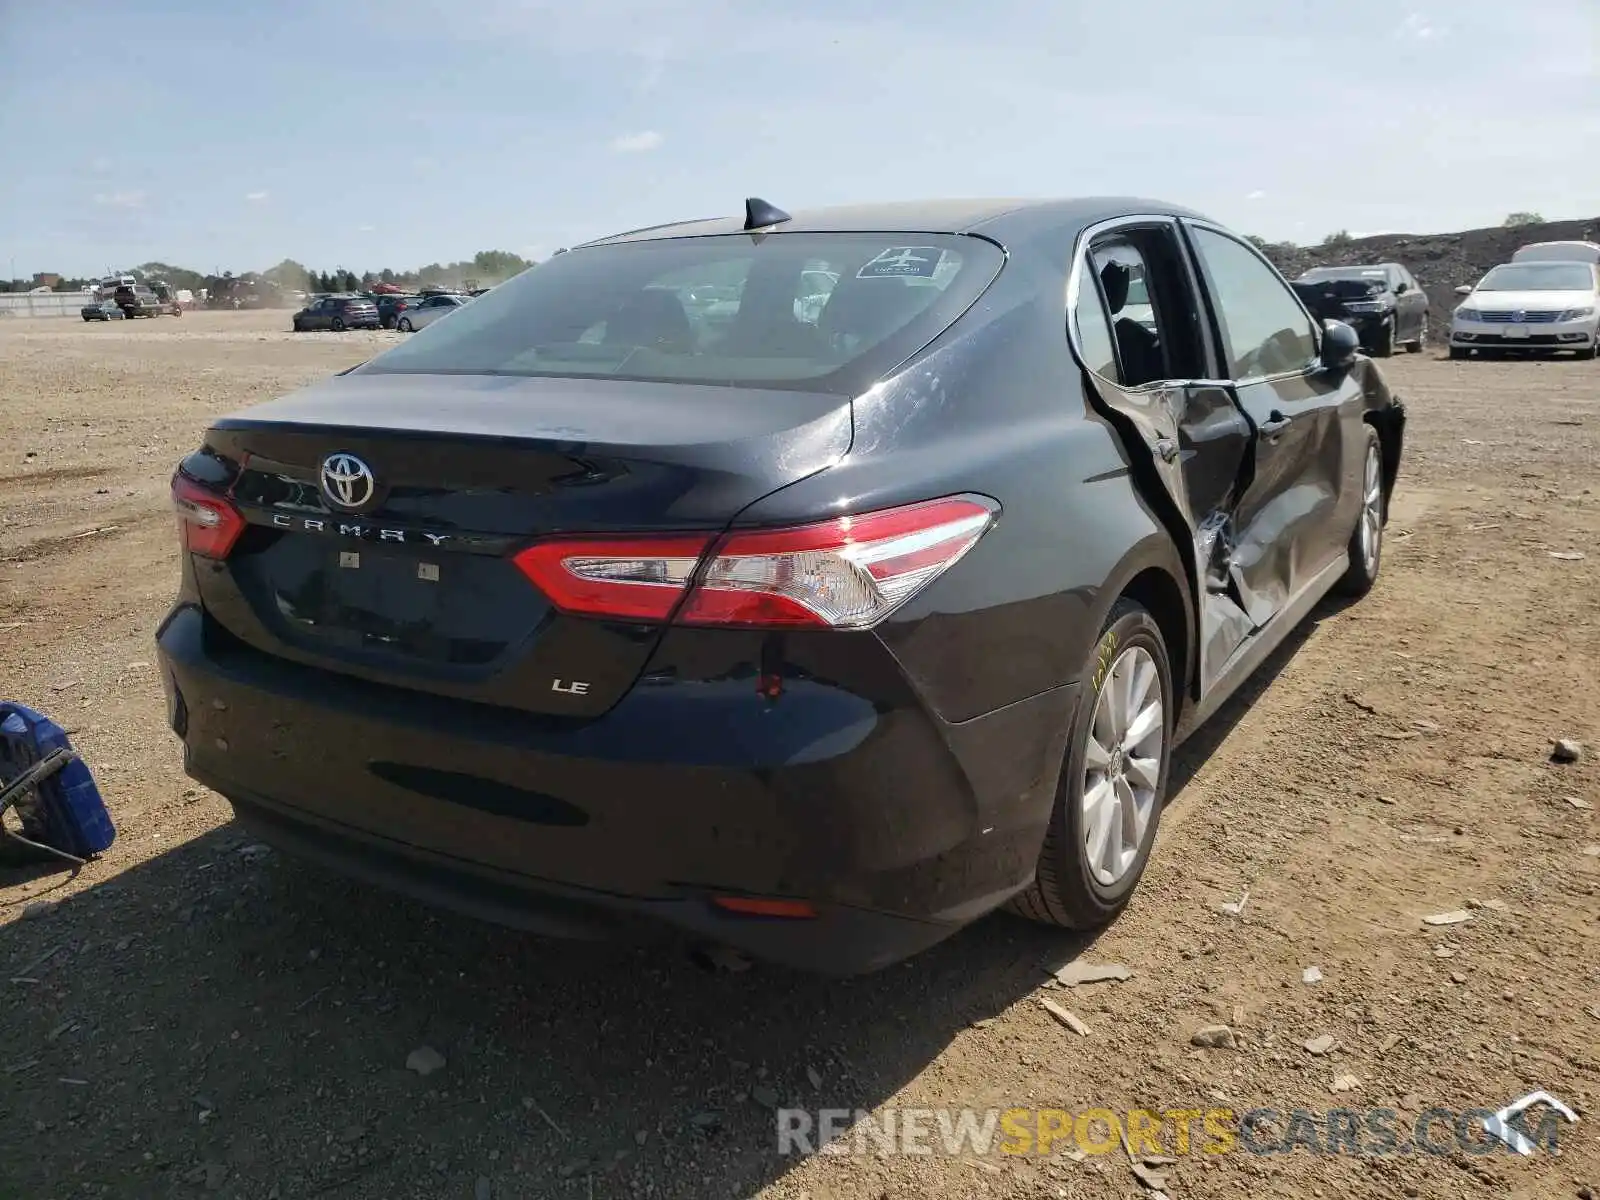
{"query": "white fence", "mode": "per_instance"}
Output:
(45, 304)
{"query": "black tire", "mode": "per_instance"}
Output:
(1064, 891)
(86, 320)
(1458, 352)
(405, 325)
(1418, 343)
(337, 325)
(299, 328)
(1364, 568)
(1383, 342)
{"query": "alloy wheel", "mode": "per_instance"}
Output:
(1122, 764)
(1371, 512)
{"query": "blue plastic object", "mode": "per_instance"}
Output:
(65, 810)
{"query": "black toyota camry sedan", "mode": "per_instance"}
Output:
(809, 584)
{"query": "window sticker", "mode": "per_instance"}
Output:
(903, 262)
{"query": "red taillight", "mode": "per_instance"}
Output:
(639, 579)
(762, 906)
(207, 524)
(846, 573)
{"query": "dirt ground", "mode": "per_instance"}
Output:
(194, 1015)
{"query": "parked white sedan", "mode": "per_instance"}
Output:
(429, 311)
(1530, 306)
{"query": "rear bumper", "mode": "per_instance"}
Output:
(896, 827)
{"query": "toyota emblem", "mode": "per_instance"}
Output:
(347, 482)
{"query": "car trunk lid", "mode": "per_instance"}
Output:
(382, 512)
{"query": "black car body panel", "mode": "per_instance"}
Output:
(516, 457)
(424, 726)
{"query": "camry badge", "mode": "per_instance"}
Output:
(347, 482)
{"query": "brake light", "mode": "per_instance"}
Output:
(846, 573)
(762, 906)
(636, 579)
(208, 524)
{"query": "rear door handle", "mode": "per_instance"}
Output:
(1276, 423)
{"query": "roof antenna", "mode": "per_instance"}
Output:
(758, 214)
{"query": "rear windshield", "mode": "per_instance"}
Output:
(769, 310)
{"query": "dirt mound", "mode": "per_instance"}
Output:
(1440, 261)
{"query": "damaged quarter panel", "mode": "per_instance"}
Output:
(996, 407)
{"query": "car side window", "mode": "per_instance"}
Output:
(1263, 327)
(1119, 268)
(1092, 326)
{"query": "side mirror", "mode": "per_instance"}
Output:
(1401, 288)
(1340, 345)
(1464, 290)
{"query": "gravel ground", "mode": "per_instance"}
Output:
(194, 1015)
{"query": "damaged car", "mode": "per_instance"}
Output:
(816, 631)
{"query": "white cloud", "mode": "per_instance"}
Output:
(365, 228)
(1416, 26)
(637, 143)
(120, 199)
(255, 197)
(1258, 194)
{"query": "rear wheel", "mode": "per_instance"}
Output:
(1113, 785)
(1416, 344)
(1366, 539)
(337, 325)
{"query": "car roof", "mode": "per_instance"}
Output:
(1000, 219)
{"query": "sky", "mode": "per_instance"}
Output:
(234, 135)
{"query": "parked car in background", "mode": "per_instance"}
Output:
(391, 306)
(816, 639)
(166, 300)
(1383, 303)
(1587, 252)
(101, 310)
(137, 300)
(1538, 305)
(429, 310)
(337, 313)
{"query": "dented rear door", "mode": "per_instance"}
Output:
(1189, 441)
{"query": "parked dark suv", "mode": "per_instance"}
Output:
(391, 306)
(818, 632)
(337, 313)
(1384, 303)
